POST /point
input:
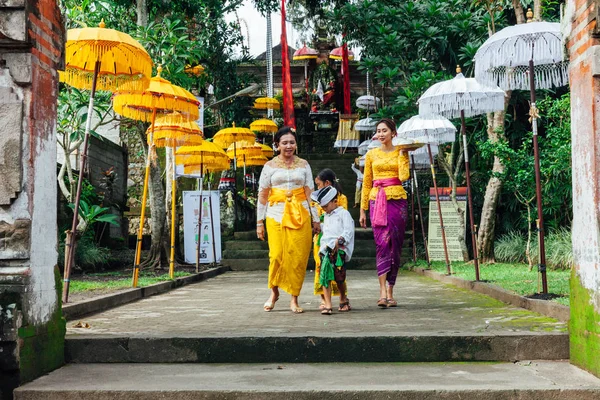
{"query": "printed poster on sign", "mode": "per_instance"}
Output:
(201, 226)
(452, 223)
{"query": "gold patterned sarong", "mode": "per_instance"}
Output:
(289, 241)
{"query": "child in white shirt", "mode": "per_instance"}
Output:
(337, 244)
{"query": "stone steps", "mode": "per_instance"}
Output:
(414, 381)
(246, 253)
(315, 349)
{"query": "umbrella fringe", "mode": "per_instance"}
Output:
(145, 104)
(450, 106)
(517, 78)
(81, 79)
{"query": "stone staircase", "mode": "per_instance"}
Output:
(246, 253)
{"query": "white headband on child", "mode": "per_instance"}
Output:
(324, 195)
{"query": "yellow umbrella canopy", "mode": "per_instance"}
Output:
(267, 151)
(204, 153)
(161, 97)
(244, 149)
(195, 169)
(264, 125)
(99, 58)
(225, 137)
(266, 103)
(182, 132)
(255, 161)
(116, 57)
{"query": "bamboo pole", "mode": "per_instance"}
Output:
(138, 249)
(538, 181)
(469, 195)
(421, 213)
(72, 239)
(439, 207)
(173, 224)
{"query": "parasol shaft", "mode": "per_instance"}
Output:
(138, 248)
(70, 244)
(173, 224)
(420, 212)
(212, 226)
(412, 216)
(244, 176)
(538, 183)
(439, 207)
(200, 213)
(469, 196)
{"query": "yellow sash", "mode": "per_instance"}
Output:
(294, 214)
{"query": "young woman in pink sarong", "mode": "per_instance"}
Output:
(386, 168)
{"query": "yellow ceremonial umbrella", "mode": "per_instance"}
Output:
(170, 134)
(255, 161)
(174, 130)
(226, 137)
(267, 151)
(264, 125)
(162, 97)
(99, 58)
(266, 103)
(241, 151)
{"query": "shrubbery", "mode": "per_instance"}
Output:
(511, 248)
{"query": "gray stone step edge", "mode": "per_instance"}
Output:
(101, 303)
(544, 307)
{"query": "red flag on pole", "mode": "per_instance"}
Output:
(346, 76)
(288, 101)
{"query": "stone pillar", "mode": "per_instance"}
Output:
(579, 26)
(31, 325)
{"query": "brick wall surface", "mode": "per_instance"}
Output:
(584, 52)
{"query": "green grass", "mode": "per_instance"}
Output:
(102, 281)
(514, 277)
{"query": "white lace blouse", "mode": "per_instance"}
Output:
(276, 174)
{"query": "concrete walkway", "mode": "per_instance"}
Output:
(231, 305)
(222, 320)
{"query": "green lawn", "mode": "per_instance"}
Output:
(514, 277)
(116, 280)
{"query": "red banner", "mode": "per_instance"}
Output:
(346, 76)
(288, 100)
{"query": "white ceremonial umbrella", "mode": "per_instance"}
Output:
(435, 129)
(366, 125)
(375, 143)
(462, 97)
(363, 147)
(526, 57)
(368, 102)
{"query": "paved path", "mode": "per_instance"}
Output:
(230, 305)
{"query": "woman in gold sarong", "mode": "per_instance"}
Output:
(283, 207)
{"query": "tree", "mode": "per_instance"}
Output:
(555, 167)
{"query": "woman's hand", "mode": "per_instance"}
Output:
(260, 231)
(316, 228)
(363, 218)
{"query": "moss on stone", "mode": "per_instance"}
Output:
(584, 328)
(42, 347)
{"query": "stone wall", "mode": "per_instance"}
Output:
(580, 28)
(31, 325)
(107, 172)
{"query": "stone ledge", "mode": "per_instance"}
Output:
(101, 303)
(544, 307)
